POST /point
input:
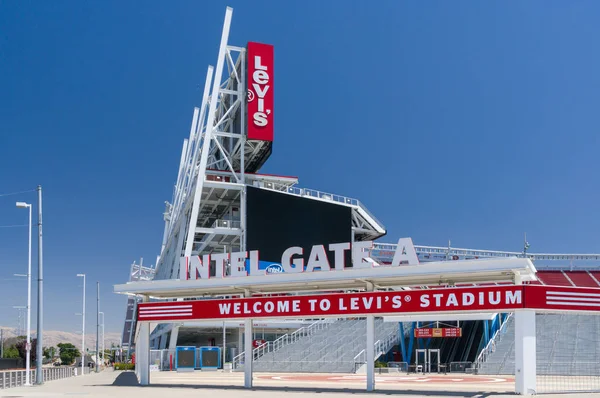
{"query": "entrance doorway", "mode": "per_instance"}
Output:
(427, 360)
(433, 365)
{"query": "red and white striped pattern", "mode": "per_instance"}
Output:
(179, 311)
(573, 299)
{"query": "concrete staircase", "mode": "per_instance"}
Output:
(566, 344)
(337, 347)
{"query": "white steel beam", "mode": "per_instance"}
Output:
(209, 129)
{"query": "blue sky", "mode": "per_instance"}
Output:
(470, 121)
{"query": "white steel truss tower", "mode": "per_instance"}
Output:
(218, 161)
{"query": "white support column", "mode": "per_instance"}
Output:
(370, 353)
(248, 357)
(525, 349)
(142, 349)
(173, 338)
(370, 347)
(525, 352)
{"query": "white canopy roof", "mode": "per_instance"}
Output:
(382, 277)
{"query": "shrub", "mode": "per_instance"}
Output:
(379, 364)
(124, 366)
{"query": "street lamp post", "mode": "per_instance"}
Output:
(23, 205)
(83, 328)
(39, 353)
(103, 352)
(97, 324)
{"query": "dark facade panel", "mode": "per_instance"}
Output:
(277, 221)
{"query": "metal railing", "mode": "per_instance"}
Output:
(313, 193)
(460, 367)
(491, 345)
(380, 346)
(286, 339)
(226, 224)
(16, 378)
(490, 348)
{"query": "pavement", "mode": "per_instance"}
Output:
(112, 384)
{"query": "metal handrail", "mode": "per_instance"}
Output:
(490, 346)
(380, 348)
(313, 193)
(229, 224)
(279, 343)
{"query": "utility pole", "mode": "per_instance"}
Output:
(97, 322)
(1, 343)
(23, 205)
(83, 328)
(103, 350)
(39, 375)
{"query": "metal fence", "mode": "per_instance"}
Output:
(568, 353)
(393, 367)
(162, 360)
(460, 367)
(16, 378)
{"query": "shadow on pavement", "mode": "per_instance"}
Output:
(126, 379)
(420, 393)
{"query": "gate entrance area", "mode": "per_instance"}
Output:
(424, 362)
(523, 300)
(433, 366)
(421, 361)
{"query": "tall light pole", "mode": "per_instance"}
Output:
(97, 323)
(39, 375)
(83, 328)
(23, 205)
(103, 352)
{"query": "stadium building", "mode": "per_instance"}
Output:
(223, 204)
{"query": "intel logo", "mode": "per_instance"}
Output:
(274, 269)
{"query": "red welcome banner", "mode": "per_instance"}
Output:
(494, 299)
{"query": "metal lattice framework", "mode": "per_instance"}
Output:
(137, 272)
(208, 210)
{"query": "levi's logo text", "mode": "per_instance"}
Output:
(260, 91)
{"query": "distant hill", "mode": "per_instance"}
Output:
(54, 337)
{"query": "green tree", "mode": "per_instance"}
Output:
(49, 352)
(68, 353)
(11, 352)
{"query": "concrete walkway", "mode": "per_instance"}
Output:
(230, 385)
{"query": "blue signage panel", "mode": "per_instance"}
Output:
(185, 358)
(210, 357)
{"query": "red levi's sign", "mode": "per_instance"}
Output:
(438, 332)
(493, 298)
(260, 91)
